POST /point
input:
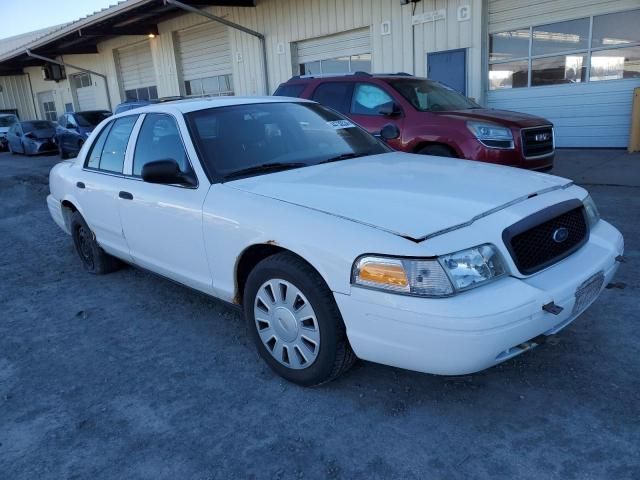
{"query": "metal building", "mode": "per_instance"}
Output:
(575, 62)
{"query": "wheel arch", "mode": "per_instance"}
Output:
(427, 143)
(254, 254)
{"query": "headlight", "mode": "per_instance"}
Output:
(491, 135)
(439, 277)
(593, 215)
(475, 266)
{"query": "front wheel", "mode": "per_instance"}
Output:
(294, 321)
(437, 150)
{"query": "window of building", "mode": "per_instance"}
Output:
(220, 85)
(82, 80)
(602, 47)
(143, 93)
(349, 64)
(49, 109)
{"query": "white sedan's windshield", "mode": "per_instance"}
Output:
(245, 138)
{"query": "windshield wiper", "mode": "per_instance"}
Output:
(265, 168)
(343, 156)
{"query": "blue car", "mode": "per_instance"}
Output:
(74, 128)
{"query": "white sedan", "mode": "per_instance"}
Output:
(335, 247)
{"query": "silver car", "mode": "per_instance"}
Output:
(32, 137)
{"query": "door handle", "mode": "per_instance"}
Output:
(125, 195)
(80, 184)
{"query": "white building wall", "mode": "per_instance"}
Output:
(284, 22)
(14, 94)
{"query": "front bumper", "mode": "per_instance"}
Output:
(479, 328)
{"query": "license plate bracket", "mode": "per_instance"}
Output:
(587, 292)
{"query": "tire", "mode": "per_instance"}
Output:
(62, 152)
(11, 149)
(332, 355)
(437, 150)
(94, 259)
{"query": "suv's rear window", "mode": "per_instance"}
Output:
(289, 91)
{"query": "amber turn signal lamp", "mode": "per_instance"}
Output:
(385, 274)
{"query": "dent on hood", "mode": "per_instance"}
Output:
(477, 217)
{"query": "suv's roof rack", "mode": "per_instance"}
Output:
(325, 75)
(348, 74)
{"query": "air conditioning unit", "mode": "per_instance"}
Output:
(53, 72)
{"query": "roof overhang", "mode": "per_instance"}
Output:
(130, 17)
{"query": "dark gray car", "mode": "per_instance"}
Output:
(32, 137)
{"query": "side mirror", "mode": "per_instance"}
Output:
(390, 132)
(167, 172)
(389, 109)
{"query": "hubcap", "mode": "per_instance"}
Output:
(287, 324)
(84, 246)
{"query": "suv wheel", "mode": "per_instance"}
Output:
(437, 150)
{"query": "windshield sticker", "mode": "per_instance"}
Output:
(340, 124)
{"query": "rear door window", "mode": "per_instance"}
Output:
(107, 153)
(336, 95)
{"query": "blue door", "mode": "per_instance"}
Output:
(449, 68)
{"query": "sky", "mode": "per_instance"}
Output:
(21, 16)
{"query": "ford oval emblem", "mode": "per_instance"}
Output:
(560, 235)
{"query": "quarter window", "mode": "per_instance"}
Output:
(368, 99)
(159, 139)
(108, 151)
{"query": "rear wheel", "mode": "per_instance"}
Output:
(94, 258)
(294, 321)
(437, 150)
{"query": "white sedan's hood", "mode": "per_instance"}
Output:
(413, 196)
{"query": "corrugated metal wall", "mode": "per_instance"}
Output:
(285, 22)
(508, 14)
(15, 95)
(204, 51)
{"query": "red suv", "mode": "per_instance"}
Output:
(431, 118)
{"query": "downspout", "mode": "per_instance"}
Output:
(33, 97)
(236, 26)
(63, 64)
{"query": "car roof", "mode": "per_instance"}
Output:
(195, 104)
(354, 76)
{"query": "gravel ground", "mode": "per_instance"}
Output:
(131, 376)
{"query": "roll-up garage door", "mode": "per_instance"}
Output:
(135, 69)
(575, 63)
(204, 55)
(85, 91)
(341, 53)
